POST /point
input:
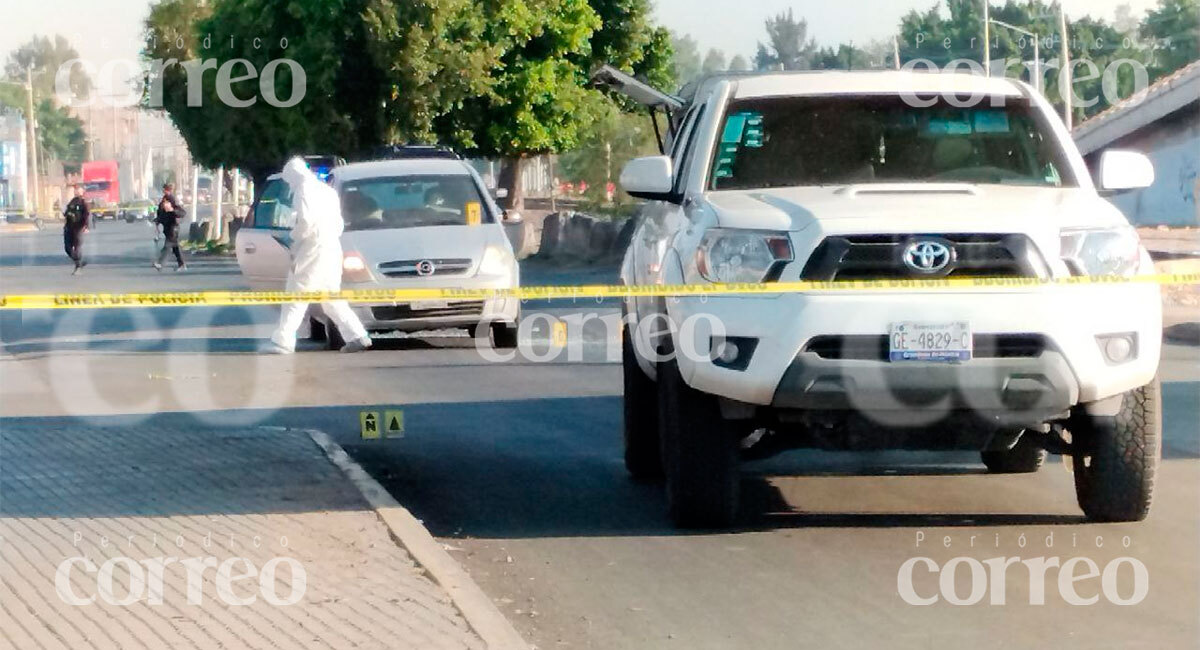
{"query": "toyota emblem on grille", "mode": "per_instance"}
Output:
(425, 267)
(926, 256)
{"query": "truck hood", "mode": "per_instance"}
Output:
(913, 207)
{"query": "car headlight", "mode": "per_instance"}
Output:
(354, 268)
(727, 256)
(1101, 251)
(496, 261)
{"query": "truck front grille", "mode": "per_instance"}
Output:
(880, 257)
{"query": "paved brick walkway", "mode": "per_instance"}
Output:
(130, 498)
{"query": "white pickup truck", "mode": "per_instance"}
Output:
(886, 175)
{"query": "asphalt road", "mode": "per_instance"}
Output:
(517, 467)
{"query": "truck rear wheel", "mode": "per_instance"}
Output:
(700, 454)
(643, 449)
(1117, 456)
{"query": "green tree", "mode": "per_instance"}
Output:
(46, 55)
(738, 64)
(341, 112)
(788, 45)
(1173, 27)
(687, 60)
(60, 135)
(714, 61)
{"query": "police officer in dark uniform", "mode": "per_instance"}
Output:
(170, 213)
(77, 217)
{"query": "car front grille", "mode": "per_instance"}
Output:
(874, 347)
(880, 257)
(406, 312)
(411, 268)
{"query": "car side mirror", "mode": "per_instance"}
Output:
(510, 217)
(1124, 170)
(650, 178)
(500, 193)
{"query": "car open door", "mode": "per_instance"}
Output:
(262, 244)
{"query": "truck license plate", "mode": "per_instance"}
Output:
(424, 305)
(913, 341)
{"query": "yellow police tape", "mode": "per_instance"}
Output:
(236, 298)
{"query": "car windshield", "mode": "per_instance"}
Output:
(796, 141)
(412, 202)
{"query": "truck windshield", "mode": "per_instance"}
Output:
(796, 141)
(412, 202)
(97, 186)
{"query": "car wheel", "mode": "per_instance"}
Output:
(1116, 457)
(1024, 457)
(699, 451)
(504, 335)
(481, 331)
(316, 330)
(643, 449)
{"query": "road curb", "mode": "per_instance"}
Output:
(480, 612)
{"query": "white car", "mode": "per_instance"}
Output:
(887, 175)
(412, 223)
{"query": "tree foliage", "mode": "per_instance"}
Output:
(340, 112)
(788, 44)
(46, 55)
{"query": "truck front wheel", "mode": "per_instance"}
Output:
(700, 454)
(1116, 457)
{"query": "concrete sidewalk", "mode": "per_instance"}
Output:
(140, 537)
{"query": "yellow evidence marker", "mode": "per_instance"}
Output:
(393, 422)
(369, 420)
(474, 213)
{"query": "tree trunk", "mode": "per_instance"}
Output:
(511, 171)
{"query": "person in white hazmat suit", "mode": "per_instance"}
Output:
(316, 260)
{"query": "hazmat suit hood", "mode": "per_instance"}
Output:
(316, 247)
(296, 173)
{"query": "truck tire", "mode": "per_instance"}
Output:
(700, 454)
(1026, 456)
(643, 449)
(1118, 456)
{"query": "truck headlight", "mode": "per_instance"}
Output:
(1101, 251)
(727, 256)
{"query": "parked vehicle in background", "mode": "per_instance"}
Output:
(102, 188)
(132, 211)
(410, 223)
(888, 176)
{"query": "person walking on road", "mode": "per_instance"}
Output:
(170, 213)
(316, 251)
(76, 225)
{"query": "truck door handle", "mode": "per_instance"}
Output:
(250, 248)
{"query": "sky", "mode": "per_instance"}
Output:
(104, 30)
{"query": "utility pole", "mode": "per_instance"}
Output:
(987, 37)
(1037, 51)
(1064, 75)
(896, 50)
(35, 193)
(218, 217)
